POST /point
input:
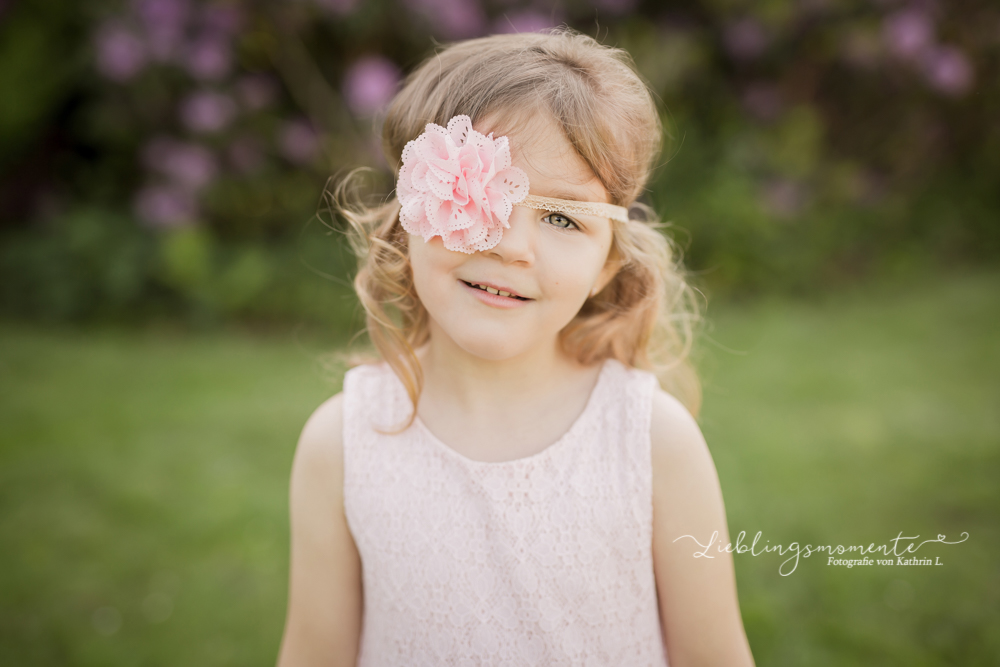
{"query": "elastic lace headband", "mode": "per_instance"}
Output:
(618, 213)
(458, 184)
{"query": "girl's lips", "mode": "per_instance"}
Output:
(494, 300)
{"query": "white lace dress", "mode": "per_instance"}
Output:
(544, 560)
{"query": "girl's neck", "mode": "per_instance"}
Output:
(479, 387)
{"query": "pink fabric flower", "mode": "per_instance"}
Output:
(458, 184)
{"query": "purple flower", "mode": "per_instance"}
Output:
(616, 7)
(524, 21)
(257, 91)
(908, 33)
(246, 154)
(298, 142)
(155, 152)
(369, 84)
(338, 7)
(120, 52)
(165, 206)
(207, 111)
(209, 58)
(784, 198)
(373, 147)
(190, 166)
(763, 101)
(164, 21)
(948, 70)
(454, 19)
(224, 19)
(462, 19)
(745, 39)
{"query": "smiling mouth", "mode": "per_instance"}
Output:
(509, 296)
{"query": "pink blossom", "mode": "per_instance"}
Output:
(120, 52)
(454, 19)
(458, 184)
(616, 7)
(784, 198)
(155, 152)
(373, 147)
(763, 101)
(369, 84)
(298, 142)
(948, 70)
(165, 206)
(188, 165)
(745, 39)
(246, 154)
(207, 111)
(908, 33)
(257, 91)
(165, 22)
(462, 19)
(338, 7)
(524, 21)
(223, 19)
(209, 58)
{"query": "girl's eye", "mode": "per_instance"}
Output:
(560, 221)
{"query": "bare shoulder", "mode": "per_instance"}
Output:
(318, 467)
(322, 440)
(699, 610)
(687, 496)
(677, 443)
(325, 593)
(317, 482)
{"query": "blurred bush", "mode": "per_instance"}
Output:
(167, 157)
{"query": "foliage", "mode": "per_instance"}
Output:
(94, 264)
(809, 143)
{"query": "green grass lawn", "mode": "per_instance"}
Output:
(143, 480)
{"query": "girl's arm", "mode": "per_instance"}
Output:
(324, 598)
(697, 596)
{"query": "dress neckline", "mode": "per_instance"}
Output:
(549, 451)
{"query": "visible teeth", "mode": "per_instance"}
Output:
(494, 291)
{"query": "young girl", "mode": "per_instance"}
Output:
(509, 483)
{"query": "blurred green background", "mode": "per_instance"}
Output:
(170, 286)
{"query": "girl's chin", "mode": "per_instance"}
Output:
(490, 346)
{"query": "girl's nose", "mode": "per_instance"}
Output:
(518, 240)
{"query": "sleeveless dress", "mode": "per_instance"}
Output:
(543, 560)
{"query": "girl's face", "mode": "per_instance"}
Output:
(554, 260)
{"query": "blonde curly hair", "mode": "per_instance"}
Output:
(646, 315)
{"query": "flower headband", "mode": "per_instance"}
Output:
(458, 184)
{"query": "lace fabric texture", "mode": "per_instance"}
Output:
(458, 184)
(545, 560)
